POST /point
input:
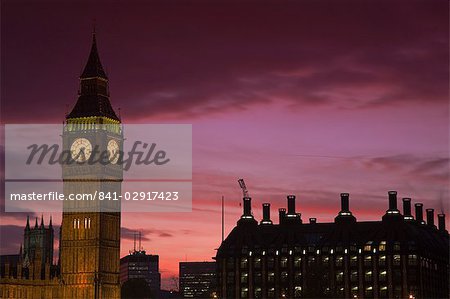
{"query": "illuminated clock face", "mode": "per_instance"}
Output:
(81, 149)
(113, 151)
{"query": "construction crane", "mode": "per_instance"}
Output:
(243, 187)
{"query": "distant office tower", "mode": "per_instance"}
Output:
(397, 257)
(198, 279)
(138, 264)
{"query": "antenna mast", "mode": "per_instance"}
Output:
(223, 218)
(140, 237)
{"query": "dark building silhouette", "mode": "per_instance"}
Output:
(397, 257)
(32, 270)
(139, 264)
(35, 258)
(198, 279)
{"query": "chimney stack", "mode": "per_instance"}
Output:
(312, 220)
(266, 214)
(291, 204)
(430, 217)
(441, 222)
(407, 209)
(392, 200)
(345, 202)
(419, 213)
(392, 213)
(282, 214)
(247, 216)
(344, 214)
(247, 206)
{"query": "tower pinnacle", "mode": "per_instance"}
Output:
(27, 227)
(93, 67)
(93, 101)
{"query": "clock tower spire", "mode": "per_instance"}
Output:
(93, 95)
(90, 230)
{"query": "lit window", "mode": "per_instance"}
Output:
(368, 246)
(284, 276)
(311, 260)
(339, 260)
(244, 292)
(412, 260)
(257, 263)
(396, 260)
(354, 260)
(368, 276)
(244, 277)
(382, 260)
(367, 260)
(284, 262)
(297, 262)
(271, 277)
(244, 262)
(383, 291)
(258, 293)
(382, 246)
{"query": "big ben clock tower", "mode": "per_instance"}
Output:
(90, 230)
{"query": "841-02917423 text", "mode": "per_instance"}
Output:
(98, 195)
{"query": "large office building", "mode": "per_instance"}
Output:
(140, 265)
(198, 279)
(397, 257)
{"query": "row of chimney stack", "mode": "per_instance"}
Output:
(293, 217)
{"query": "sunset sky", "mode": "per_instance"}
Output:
(311, 98)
